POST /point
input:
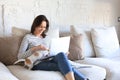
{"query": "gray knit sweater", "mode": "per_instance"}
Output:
(28, 42)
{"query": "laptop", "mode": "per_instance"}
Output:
(58, 45)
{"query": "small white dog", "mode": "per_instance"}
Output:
(29, 61)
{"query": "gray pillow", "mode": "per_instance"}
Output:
(76, 47)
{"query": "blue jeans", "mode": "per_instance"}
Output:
(59, 63)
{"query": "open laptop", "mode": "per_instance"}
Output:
(59, 45)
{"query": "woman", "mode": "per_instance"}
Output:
(33, 42)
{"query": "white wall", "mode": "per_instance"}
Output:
(20, 13)
(1, 23)
(118, 14)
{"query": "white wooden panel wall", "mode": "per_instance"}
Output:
(1, 22)
(20, 13)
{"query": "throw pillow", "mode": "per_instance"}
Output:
(85, 31)
(9, 48)
(19, 31)
(105, 41)
(76, 47)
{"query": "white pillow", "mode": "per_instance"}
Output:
(87, 42)
(105, 41)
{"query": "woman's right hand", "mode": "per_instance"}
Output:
(39, 47)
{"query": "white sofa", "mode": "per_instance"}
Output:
(105, 45)
(97, 68)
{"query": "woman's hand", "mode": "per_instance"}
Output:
(39, 47)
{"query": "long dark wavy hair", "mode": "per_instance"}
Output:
(37, 21)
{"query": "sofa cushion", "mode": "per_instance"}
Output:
(19, 32)
(76, 47)
(111, 66)
(5, 74)
(92, 72)
(87, 41)
(25, 74)
(9, 48)
(105, 41)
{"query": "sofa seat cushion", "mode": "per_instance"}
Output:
(92, 72)
(25, 74)
(111, 66)
(116, 59)
(5, 74)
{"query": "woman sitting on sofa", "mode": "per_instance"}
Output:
(39, 27)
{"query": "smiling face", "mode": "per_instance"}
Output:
(40, 26)
(40, 29)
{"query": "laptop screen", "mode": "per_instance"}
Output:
(59, 45)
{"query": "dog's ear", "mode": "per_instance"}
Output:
(27, 61)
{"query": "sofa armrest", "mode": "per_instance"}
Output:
(5, 74)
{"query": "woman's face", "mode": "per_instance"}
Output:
(41, 28)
